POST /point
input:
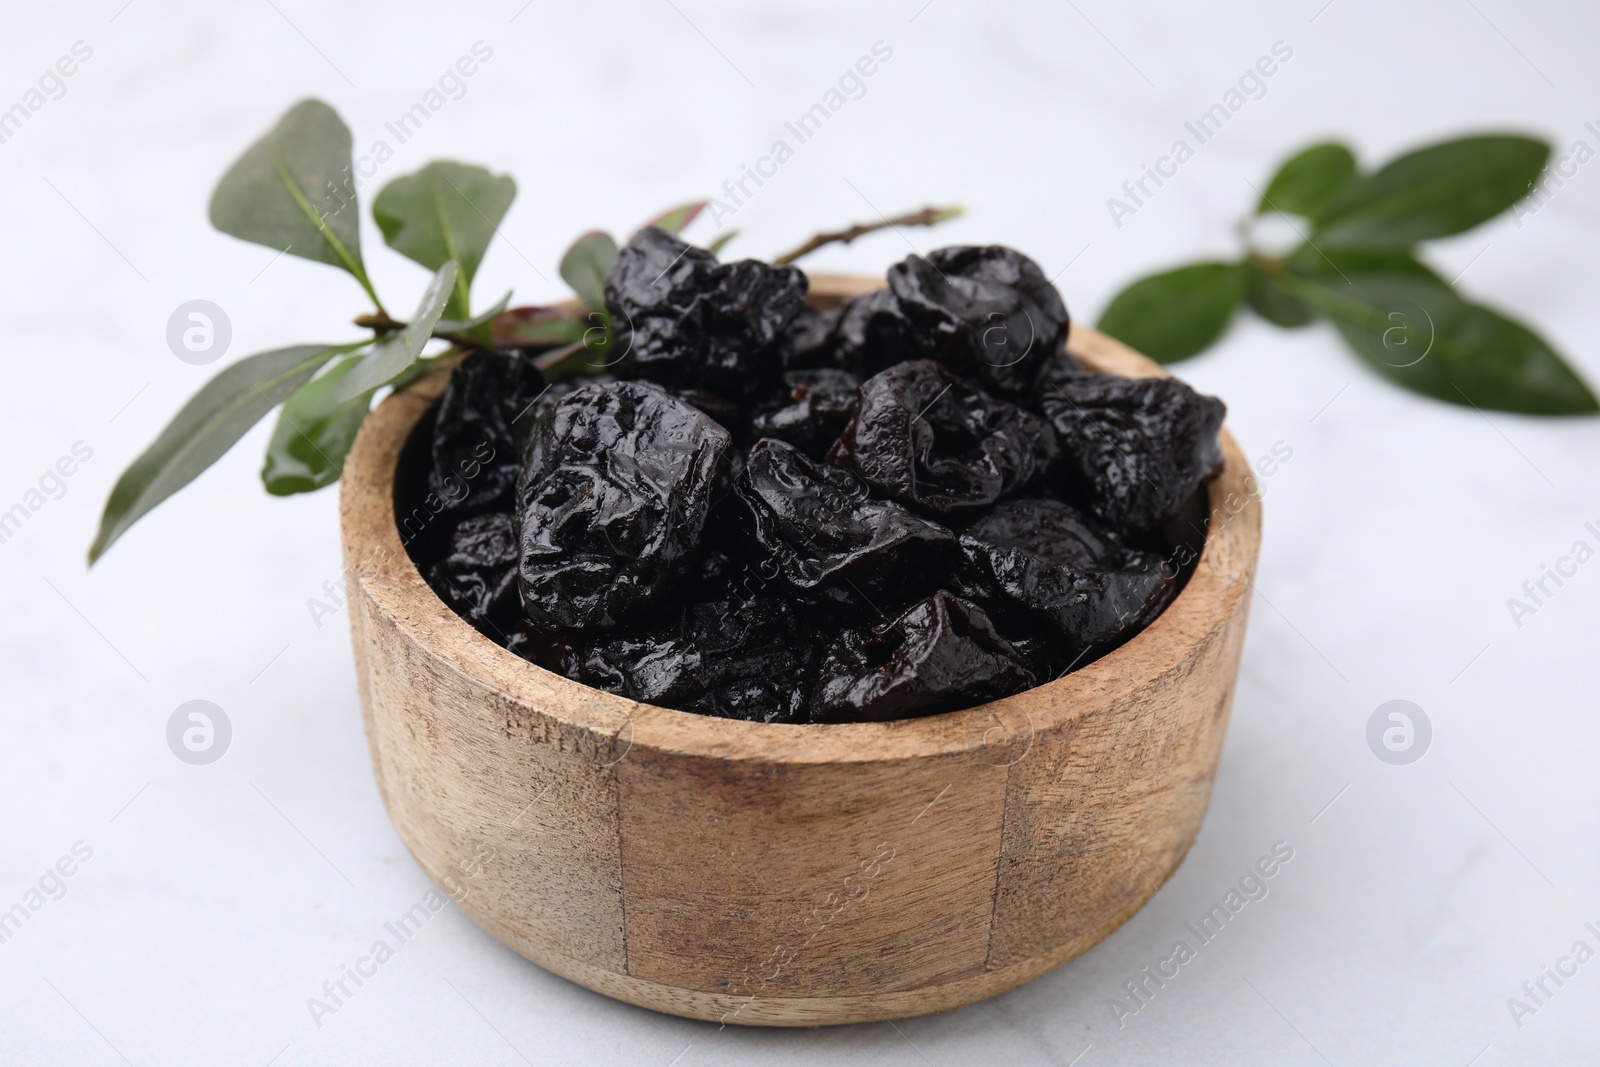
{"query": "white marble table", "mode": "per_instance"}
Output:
(206, 904)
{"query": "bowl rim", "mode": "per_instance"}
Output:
(377, 564)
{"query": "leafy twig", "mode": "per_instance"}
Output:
(1359, 268)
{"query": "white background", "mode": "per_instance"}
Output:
(220, 898)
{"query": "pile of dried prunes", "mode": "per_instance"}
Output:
(913, 502)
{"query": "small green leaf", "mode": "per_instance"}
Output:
(449, 327)
(585, 358)
(403, 347)
(675, 220)
(1309, 180)
(1178, 313)
(716, 247)
(537, 327)
(445, 211)
(1415, 331)
(1434, 192)
(1268, 298)
(204, 429)
(314, 434)
(294, 191)
(586, 265)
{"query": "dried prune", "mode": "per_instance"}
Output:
(475, 434)
(477, 576)
(682, 318)
(615, 489)
(871, 334)
(1135, 448)
(810, 341)
(1045, 559)
(986, 312)
(817, 405)
(814, 530)
(939, 444)
(724, 412)
(744, 660)
(941, 654)
(552, 652)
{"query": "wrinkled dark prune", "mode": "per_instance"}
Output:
(1044, 559)
(615, 489)
(1136, 448)
(478, 575)
(942, 653)
(810, 341)
(476, 432)
(682, 318)
(818, 404)
(814, 530)
(937, 443)
(724, 412)
(871, 334)
(986, 312)
(742, 660)
(547, 650)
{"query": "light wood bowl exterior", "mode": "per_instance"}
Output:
(784, 875)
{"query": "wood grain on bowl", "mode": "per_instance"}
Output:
(790, 875)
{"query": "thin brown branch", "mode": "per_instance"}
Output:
(928, 216)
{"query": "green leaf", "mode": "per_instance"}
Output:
(401, 348)
(1417, 332)
(447, 327)
(1268, 298)
(294, 191)
(1344, 263)
(588, 357)
(445, 211)
(586, 265)
(537, 327)
(1309, 180)
(675, 220)
(716, 247)
(1178, 313)
(1434, 192)
(314, 434)
(204, 429)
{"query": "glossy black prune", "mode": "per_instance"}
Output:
(550, 651)
(484, 411)
(724, 412)
(477, 576)
(939, 444)
(815, 531)
(1046, 560)
(986, 312)
(810, 342)
(1135, 449)
(615, 488)
(871, 333)
(682, 318)
(816, 406)
(941, 654)
(743, 660)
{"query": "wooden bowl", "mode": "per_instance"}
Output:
(785, 875)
